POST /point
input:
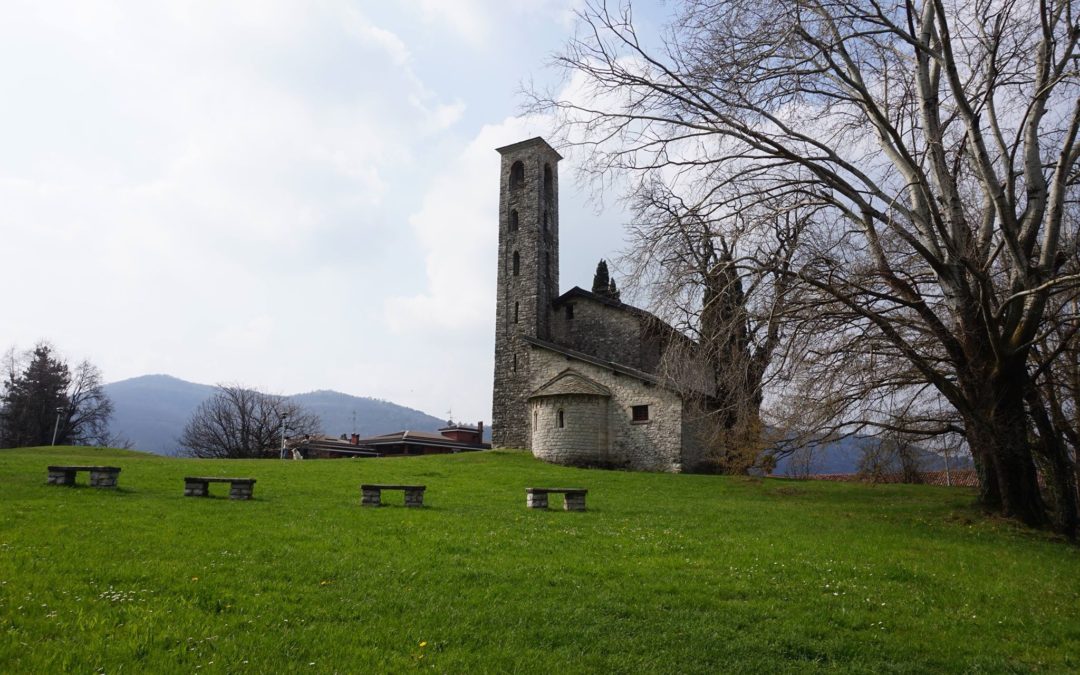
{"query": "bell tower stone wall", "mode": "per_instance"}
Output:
(528, 279)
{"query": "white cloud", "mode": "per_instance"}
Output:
(172, 172)
(456, 225)
(477, 21)
(232, 191)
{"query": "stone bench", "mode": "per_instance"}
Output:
(199, 486)
(371, 494)
(100, 476)
(573, 498)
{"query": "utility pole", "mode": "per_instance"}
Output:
(56, 427)
(284, 416)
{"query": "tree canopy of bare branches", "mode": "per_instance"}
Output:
(238, 423)
(936, 144)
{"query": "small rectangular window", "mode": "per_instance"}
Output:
(562, 421)
(639, 413)
(569, 312)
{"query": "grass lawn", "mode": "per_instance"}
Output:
(663, 573)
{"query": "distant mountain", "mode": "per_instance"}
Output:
(150, 411)
(372, 416)
(843, 456)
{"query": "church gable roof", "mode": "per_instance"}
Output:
(570, 381)
(573, 354)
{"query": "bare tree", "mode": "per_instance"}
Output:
(89, 410)
(894, 457)
(939, 138)
(238, 422)
(1054, 398)
(715, 269)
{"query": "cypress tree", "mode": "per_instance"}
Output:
(613, 290)
(601, 281)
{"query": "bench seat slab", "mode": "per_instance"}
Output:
(371, 494)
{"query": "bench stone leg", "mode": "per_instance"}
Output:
(414, 498)
(371, 497)
(103, 479)
(61, 478)
(241, 490)
(574, 503)
(196, 489)
(536, 500)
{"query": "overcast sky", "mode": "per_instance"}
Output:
(287, 195)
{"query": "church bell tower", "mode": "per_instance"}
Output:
(528, 280)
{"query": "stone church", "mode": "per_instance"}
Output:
(576, 374)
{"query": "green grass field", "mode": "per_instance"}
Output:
(663, 573)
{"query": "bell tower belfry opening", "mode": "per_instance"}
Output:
(528, 278)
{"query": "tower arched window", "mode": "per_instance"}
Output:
(517, 175)
(517, 263)
(517, 306)
(545, 220)
(514, 221)
(549, 184)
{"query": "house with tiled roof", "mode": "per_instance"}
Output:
(452, 438)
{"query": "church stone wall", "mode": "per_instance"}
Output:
(655, 445)
(598, 330)
(582, 440)
(608, 333)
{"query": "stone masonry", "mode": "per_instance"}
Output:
(528, 277)
(572, 369)
(100, 476)
(654, 445)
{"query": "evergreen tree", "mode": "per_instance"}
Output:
(603, 284)
(28, 409)
(45, 398)
(613, 290)
(601, 281)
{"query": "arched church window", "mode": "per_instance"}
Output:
(514, 221)
(517, 175)
(517, 305)
(515, 363)
(561, 420)
(517, 263)
(549, 184)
